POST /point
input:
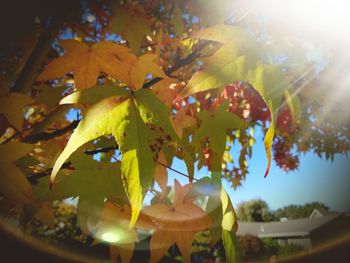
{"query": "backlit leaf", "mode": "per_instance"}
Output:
(177, 224)
(13, 183)
(135, 122)
(229, 64)
(222, 120)
(271, 84)
(131, 23)
(12, 106)
(87, 63)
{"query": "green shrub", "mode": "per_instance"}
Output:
(271, 246)
(290, 249)
(252, 246)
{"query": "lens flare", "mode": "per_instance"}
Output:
(110, 237)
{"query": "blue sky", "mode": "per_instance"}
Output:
(315, 180)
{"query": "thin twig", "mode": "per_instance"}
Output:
(176, 171)
(101, 150)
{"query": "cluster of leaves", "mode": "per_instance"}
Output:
(150, 81)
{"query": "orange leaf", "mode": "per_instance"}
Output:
(141, 66)
(113, 228)
(182, 121)
(177, 224)
(88, 62)
(161, 174)
(165, 91)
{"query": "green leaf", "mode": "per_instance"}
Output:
(222, 120)
(138, 161)
(232, 246)
(95, 94)
(221, 69)
(271, 84)
(91, 181)
(229, 64)
(153, 111)
(138, 123)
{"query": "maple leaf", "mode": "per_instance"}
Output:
(177, 223)
(222, 120)
(95, 94)
(12, 105)
(50, 96)
(165, 91)
(131, 23)
(113, 228)
(161, 173)
(220, 209)
(271, 84)
(91, 181)
(87, 63)
(141, 66)
(182, 121)
(13, 183)
(133, 121)
(229, 64)
(177, 21)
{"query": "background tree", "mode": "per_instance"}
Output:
(300, 211)
(99, 97)
(255, 210)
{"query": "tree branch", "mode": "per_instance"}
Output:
(101, 150)
(179, 64)
(33, 179)
(54, 22)
(45, 136)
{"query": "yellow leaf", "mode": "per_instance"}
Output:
(141, 67)
(13, 184)
(161, 173)
(11, 106)
(87, 63)
(182, 121)
(166, 91)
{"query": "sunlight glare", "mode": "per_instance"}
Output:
(110, 237)
(324, 17)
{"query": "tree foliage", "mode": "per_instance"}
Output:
(300, 211)
(149, 81)
(255, 210)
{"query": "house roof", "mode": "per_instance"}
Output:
(290, 228)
